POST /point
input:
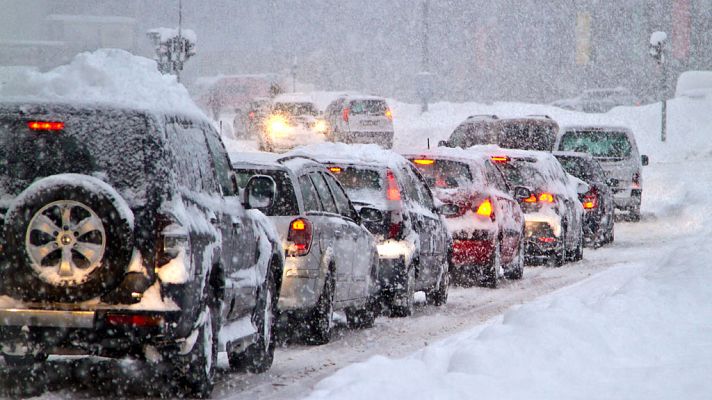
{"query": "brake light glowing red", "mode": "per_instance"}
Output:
(530, 199)
(392, 191)
(134, 320)
(299, 237)
(546, 198)
(499, 159)
(45, 125)
(485, 208)
(546, 239)
(423, 161)
(251, 115)
(389, 114)
(345, 114)
(590, 200)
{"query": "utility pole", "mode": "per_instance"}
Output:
(657, 51)
(424, 79)
(180, 34)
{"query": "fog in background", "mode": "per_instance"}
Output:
(526, 50)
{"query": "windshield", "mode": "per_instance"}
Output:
(522, 173)
(295, 109)
(368, 107)
(445, 174)
(604, 144)
(106, 144)
(285, 202)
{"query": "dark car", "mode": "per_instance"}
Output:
(553, 213)
(598, 202)
(484, 220)
(331, 259)
(533, 132)
(412, 239)
(123, 235)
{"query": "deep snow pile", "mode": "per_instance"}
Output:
(105, 76)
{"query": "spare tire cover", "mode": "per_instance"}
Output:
(68, 238)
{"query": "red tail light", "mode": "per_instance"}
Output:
(530, 199)
(389, 114)
(299, 237)
(636, 180)
(394, 230)
(143, 321)
(499, 159)
(546, 198)
(485, 209)
(45, 126)
(590, 200)
(251, 115)
(345, 114)
(392, 191)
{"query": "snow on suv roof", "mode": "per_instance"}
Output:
(110, 77)
(451, 153)
(594, 127)
(341, 153)
(277, 161)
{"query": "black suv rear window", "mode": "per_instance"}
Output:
(285, 202)
(106, 144)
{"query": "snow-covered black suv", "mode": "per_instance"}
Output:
(123, 235)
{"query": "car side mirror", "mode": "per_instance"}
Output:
(443, 143)
(370, 214)
(259, 192)
(612, 182)
(644, 159)
(448, 210)
(521, 193)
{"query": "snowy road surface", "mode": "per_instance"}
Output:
(446, 352)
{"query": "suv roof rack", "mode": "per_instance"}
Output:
(288, 158)
(490, 116)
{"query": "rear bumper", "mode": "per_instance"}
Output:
(627, 199)
(540, 241)
(476, 250)
(110, 332)
(300, 289)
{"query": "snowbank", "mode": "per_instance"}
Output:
(105, 76)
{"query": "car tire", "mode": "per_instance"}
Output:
(559, 257)
(516, 270)
(362, 318)
(321, 319)
(490, 275)
(197, 368)
(404, 296)
(437, 296)
(578, 251)
(84, 202)
(258, 357)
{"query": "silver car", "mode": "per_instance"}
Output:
(615, 149)
(331, 259)
(360, 119)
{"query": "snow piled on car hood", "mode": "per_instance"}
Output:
(105, 76)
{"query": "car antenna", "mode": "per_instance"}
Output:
(428, 143)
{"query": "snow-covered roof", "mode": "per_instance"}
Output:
(341, 153)
(254, 157)
(578, 127)
(449, 153)
(577, 154)
(110, 77)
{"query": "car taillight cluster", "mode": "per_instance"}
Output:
(389, 114)
(345, 114)
(485, 209)
(542, 198)
(636, 180)
(590, 200)
(299, 237)
(395, 229)
(45, 125)
(392, 190)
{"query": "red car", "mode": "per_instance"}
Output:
(483, 217)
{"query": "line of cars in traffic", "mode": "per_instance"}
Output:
(137, 235)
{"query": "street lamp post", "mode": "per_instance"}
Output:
(657, 51)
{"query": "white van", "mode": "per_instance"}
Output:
(615, 149)
(360, 119)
